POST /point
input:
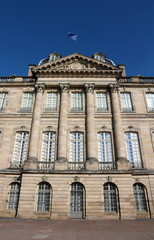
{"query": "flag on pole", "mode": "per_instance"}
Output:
(72, 36)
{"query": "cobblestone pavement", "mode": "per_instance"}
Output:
(27, 229)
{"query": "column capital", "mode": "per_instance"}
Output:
(114, 87)
(64, 87)
(39, 87)
(89, 87)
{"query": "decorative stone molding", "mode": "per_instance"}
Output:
(137, 180)
(109, 179)
(89, 87)
(64, 87)
(104, 128)
(28, 89)
(76, 179)
(76, 128)
(39, 88)
(130, 127)
(114, 87)
(49, 127)
(44, 179)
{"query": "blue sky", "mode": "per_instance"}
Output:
(122, 30)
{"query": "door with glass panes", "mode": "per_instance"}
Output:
(77, 199)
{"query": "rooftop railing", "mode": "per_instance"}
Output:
(17, 79)
(136, 79)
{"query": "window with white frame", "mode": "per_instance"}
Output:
(20, 147)
(48, 147)
(150, 101)
(110, 198)
(13, 196)
(101, 101)
(43, 203)
(140, 199)
(77, 142)
(51, 103)
(3, 100)
(126, 102)
(104, 147)
(27, 101)
(133, 149)
(77, 101)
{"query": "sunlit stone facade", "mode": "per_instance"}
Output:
(77, 141)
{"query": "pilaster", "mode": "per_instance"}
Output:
(120, 148)
(61, 162)
(32, 161)
(92, 162)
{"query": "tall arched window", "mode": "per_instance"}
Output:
(133, 149)
(150, 101)
(44, 193)
(76, 147)
(20, 147)
(105, 150)
(48, 146)
(110, 197)
(140, 199)
(76, 151)
(13, 196)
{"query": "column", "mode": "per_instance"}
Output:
(32, 161)
(91, 163)
(61, 162)
(119, 140)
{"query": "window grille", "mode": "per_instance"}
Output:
(3, 100)
(104, 147)
(150, 101)
(13, 196)
(140, 200)
(43, 204)
(77, 102)
(76, 147)
(110, 199)
(126, 102)
(133, 150)
(20, 147)
(27, 101)
(101, 102)
(51, 103)
(48, 146)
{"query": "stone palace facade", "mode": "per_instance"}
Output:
(77, 141)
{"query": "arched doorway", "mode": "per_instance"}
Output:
(77, 201)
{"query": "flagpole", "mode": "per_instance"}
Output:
(76, 43)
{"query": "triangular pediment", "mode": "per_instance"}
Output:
(76, 63)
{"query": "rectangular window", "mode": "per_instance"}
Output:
(51, 103)
(27, 101)
(20, 148)
(150, 101)
(77, 102)
(76, 147)
(48, 147)
(126, 102)
(133, 150)
(101, 101)
(3, 100)
(104, 147)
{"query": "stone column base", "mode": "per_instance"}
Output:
(61, 164)
(92, 164)
(31, 164)
(123, 164)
